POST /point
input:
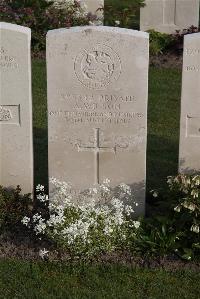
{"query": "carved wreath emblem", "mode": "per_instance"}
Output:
(5, 114)
(97, 67)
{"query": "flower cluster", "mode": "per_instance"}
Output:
(78, 5)
(94, 221)
(78, 8)
(44, 15)
(189, 199)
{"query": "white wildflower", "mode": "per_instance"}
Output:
(136, 224)
(177, 209)
(125, 188)
(42, 198)
(195, 228)
(93, 191)
(169, 180)
(40, 227)
(26, 220)
(36, 217)
(43, 253)
(195, 193)
(128, 210)
(40, 188)
(108, 230)
(189, 206)
(106, 181)
(104, 188)
(188, 181)
(117, 22)
(56, 219)
(155, 194)
(76, 219)
(197, 180)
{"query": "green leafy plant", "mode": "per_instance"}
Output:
(157, 237)
(123, 13)
(41, 16)
(186, 207)
(175, 227)
(178, 37)
(159, 42)
(13, 206)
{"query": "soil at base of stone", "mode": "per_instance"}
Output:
(26, 247)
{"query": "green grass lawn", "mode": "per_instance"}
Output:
(163, 124)
(44, 280)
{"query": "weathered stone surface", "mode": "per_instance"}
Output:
(189, 156)
(16, 145)
(167, 16)
(97, 106)
(94, 5)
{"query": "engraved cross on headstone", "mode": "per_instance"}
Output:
(97, 149)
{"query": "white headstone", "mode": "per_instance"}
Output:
(167, 16)
(16, 140)
(97, 106)
(189, 153)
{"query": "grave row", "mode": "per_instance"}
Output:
(97, 80)
(165, 16)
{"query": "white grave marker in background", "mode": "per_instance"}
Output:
(16, 138)
(167, 16)
(189, 153)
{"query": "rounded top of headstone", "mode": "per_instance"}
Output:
(192, 35)
(115, 30)
(14, 27)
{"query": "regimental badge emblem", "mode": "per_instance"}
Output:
(97, 67)
(5, 114)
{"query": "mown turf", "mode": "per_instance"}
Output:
(44, 280)
(163, 124)
(40, 121)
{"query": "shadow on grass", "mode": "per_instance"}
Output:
(162, 160)
(41, 157)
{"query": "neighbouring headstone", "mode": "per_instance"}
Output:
(167, 16)
(94, 6)
(189, 152)
(97, 106)
(16, 140)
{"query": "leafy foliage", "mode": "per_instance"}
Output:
(159, 42)
(176, 227)
(123, 13)
(185, 190)
(13, 206)
(178, 37)
(98, 221)
(41, 16)
(157, 237)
